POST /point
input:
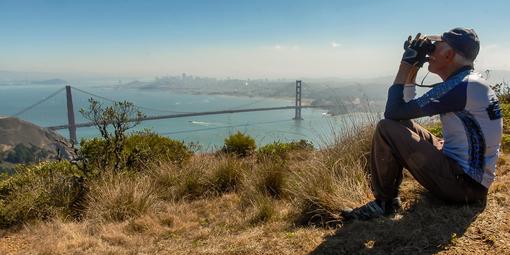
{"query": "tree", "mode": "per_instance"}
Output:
(26, 154)
(113, 122)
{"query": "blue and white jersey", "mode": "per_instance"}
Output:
(470, 115)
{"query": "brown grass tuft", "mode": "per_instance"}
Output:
(118, 196)
(263, 209)
(190, 181)
(271, 179)
(334, 179)
(227, 174)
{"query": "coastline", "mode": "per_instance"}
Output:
(304, 101)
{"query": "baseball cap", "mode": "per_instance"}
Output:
(463, 40)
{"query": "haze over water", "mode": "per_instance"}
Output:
(209, 131)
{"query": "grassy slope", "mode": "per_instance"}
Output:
(219, 225)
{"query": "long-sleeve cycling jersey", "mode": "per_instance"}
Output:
(470, 116)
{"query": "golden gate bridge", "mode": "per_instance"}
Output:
(72, 126)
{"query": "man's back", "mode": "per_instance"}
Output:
(472, 135)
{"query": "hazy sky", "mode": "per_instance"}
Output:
(238, 38)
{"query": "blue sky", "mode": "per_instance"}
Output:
(245, 39)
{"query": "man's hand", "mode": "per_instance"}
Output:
(415, 51)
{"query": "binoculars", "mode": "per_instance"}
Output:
(429, 47)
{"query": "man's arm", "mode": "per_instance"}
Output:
(406, 75)
(448, 96)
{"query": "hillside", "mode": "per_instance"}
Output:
(25, 142)
(143, 193)
(14, 131)
(224, 224)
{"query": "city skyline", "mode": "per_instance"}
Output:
(258, 39)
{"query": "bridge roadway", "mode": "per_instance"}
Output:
(181, 115)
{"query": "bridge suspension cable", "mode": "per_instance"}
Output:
(229, 126)
(261, 100)
(168, 111)
(38, 102)
(113, 101)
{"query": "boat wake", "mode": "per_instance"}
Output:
(203, 123)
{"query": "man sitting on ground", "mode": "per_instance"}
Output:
(463, 167)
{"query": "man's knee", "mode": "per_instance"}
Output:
(386, 124)
(393, 128)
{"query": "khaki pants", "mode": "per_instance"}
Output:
(399, 144)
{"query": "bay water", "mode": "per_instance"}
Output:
(209, 131)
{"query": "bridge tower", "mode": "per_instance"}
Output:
(70, 115)
(297, 115)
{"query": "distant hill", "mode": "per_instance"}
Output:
(20, 75)
(51, 82)
(22, 137)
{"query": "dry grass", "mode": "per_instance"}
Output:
(190, 181)
(221, 205)
(219, 225)
(334, 178)
(118, 197)
(270, 178)
(429, 226)
(227, 174)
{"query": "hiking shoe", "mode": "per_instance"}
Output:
(396, 203)
(373, 209)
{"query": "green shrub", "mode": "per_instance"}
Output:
(505, 142)
(281, 150)
(96, 155)
(41, 191)
(144, 147)
(239, 144)
(505, 109)
(138, 150)
(26, 154)
(6, 169)
(112, 122)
